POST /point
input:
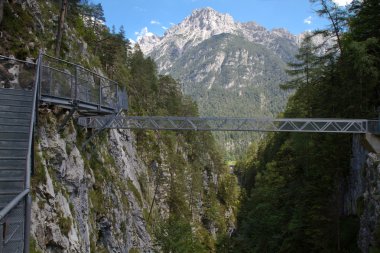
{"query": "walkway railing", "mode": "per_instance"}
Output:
(71, 84)
(15, 224)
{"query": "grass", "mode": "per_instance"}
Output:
(64, 223)
(39, 171)
(33, 246)
(135, 192)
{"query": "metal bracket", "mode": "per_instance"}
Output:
(67, 118)
(99, 130)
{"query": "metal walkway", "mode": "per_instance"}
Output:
(17, 117)
(233, 124)
(50, 81)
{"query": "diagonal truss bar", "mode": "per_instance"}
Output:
(234, 124)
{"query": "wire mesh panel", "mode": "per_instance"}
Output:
(88, 86)
(56, 82)
(109, 93)
(12, 230)
(61, 79)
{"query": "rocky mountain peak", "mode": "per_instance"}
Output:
(199, 26)
(209, 19)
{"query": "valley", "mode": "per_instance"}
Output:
(77, 187)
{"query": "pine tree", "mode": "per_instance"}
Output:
(60, 25)
(303, 72)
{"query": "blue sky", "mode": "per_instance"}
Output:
(157, 15)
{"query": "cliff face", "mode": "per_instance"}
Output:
(107, 197)
(362, 196)
(86, 200)
(369, 206)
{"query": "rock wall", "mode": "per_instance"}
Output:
(355, 185)
(369, 206)
(362, 197)
(84, 206)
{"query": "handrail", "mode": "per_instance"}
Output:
(58, 70)
(31, 126)
(4, 212)
(80, 66)
(30, 155)
(14, 59)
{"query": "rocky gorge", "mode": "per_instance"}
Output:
(149, 191)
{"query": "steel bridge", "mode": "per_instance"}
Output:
(232, 124)
(100, 102)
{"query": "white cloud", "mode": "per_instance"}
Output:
(155, 22)
(308, 20)
(171, 23)
(164, 27)
(143, 32)
(342, 2)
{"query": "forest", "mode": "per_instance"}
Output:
(293, 183)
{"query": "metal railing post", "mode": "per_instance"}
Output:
(118, 102)
(100, 95)
(76, 84)
(28, 214)
(38, 74)
(1, 237)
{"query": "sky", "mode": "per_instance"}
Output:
(155, 16)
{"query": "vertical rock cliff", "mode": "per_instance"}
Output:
(362, 195)
(87, 199)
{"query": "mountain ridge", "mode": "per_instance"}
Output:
(229, 68)
(206, 22)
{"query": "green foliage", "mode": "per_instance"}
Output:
(18, 22)
(175, 235)
(64, 223)
(294, 181)
(135, 192)
(228, 191)
(304, 71)
(39, 169)
(33, 246)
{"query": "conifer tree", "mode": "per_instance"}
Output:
(303, 70)
(60, 25)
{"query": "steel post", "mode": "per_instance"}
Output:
(76, 84)
(1, 237)
(100, 95)
(28, 213)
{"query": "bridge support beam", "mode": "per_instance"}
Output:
(67, 118)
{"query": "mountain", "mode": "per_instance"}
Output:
(229, 68)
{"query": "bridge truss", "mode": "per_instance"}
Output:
(232, 124)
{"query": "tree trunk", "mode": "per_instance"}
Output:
(61, 23)
(1, 10)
